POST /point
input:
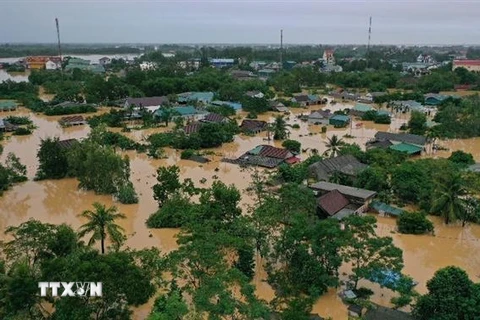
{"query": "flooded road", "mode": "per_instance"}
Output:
(60, 201)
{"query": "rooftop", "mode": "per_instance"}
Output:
(406, 147)
(363, 107)
(249, 124)
(214, 117)
(148, 101)
(332, 202)
(340, 117)
(466, 62)
(401, 137)
(345, 190)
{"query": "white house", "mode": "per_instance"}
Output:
(51, 65)
(148, 65)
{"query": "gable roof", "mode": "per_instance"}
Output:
(345, 190)
(271, 152)
(214, 117)
(71, 119)
(340, 117)
(253, 125)
(346, 164)
(332, 202)
(67, 144)
(192, 128)
(148, 101)
(401, 137)
(363, 107)
(381, 313)
(406, 147)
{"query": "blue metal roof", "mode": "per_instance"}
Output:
(234, 105)
(340, 117)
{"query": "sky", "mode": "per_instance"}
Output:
(246, 21)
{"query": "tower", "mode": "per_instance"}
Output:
(281, 49)
(369, 36)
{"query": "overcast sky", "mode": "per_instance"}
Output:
(246, 21)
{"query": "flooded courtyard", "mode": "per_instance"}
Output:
(60, 201)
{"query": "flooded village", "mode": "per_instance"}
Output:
(313, 116)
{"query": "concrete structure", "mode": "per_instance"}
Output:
(328, 56)
(470, 65)
(52, 65)
(39, 62)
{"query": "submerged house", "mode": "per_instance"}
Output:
(405, 142)
(253, 126)
(72, 121)
(214, 118)
(8, 105)
(360, 109)
(278, 106)
(234, 105)
(306, 100)
(202, 97)
(339, 201)
(339, 120)
(347, 165)
(407, 105)
(319, 117)
(186, 112)
(149, 103)
(67, 144)
(265, 156)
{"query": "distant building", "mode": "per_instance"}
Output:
(257, 65)
(215, 118)
(234, 105)
(255, 94)
(53, 65)
(306, 100)
(186, 112)
(470, 65)
(253, 126)
(242, 75)
(104, 61)
(202, 97)
(266, 73)
(149, 103)
(72, 121)
(146, 65)
(434, 99)
(319, 117)
(39, 62)
(168, 54)
(360, 109)
(328, 56)
(222, 63)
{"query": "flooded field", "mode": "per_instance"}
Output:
(60, 201)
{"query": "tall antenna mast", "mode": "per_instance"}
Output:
(59, 45)
(281, 49)
(369, 36)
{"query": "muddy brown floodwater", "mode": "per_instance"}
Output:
(60, 201)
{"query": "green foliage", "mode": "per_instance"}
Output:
(418, 123)
(451, 295)
(246, 262)
(168, 183)
(461, 158)
(280, 131)
(53, 161)
(12, 172)
(292, 145)
(414, 223)
(367, 251)
(21, 131)
(126, 193)
(224, 110)
(59, 110)
(334, 145)
(459, 118)
(112, 119)
(101, 223)
(449, 196)
(17, 120)
(174, 213)
(187, 154)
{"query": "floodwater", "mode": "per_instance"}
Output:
(14, 76)
(60, 201)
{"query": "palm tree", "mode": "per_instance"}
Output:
(101, 222)
(280, 128)
(450, 197)
(333, 146)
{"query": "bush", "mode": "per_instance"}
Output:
(187, 154)
(292, 145)
(383, 119)
(18, 120)
(462, 158)
(324, 129)
(173, 213)
(252, 115)
(22, 132)
(296, 126)
(126, 194)
(414, 223)
(57, 111)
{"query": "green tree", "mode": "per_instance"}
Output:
(464, 159)
(451, 295)
(102, 224)
(280, 131)
(52, 158)
(418, 123)
(292, 145)
(168, 183)
(368, 252)
(449, 196)
(168, 114)
(334, 145)
(414, 223)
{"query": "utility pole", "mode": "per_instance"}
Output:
(59, 45)
(281, 49)
(369, 36)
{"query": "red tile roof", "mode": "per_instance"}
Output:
(332, 202)
(214, 117)
(192, 128)
(72, 119)
(466, 62)
(273, 152)
(292, 160)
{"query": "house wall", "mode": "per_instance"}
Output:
(322, 121)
